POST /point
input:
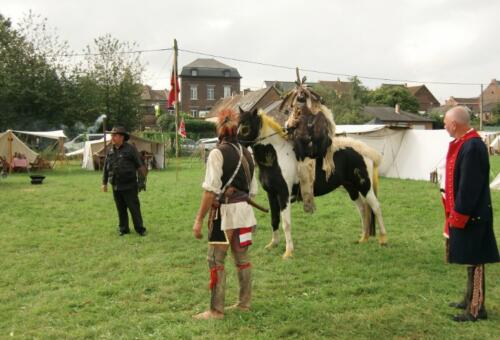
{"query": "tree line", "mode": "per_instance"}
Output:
(41, 88)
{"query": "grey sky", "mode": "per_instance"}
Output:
(429, 40)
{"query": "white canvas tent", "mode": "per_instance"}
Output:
(495, 184)
(406, 153)
(95, 149)
(495, 145)
(10, 144)
(45, 134)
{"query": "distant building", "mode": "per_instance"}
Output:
(471, 103)
(283, 86)
(426, 100)
(394, 116)
(491, 94)
(150, 99)
(203, 82)
(248, 101)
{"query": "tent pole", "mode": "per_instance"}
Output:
(11, 157)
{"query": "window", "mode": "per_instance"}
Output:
(227, 91)
(194, 73)
(194, 113)
(226, 73)
(210, 92)
(193, 90)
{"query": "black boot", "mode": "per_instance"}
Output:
(468, 291)
(475, 309)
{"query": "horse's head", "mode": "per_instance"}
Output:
(249, 127)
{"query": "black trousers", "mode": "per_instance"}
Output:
(128, 199)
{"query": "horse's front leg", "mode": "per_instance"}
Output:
(287, 228)
(275, 220)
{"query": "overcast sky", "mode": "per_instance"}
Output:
(424, 40)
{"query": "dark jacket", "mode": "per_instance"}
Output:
(120, 167)
(475, 243)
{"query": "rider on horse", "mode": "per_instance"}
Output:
(312, 129)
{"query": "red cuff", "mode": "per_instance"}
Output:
(457, 220)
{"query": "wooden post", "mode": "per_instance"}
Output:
(481, 109)
(11, 156)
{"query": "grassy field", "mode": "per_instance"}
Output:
(67, 274)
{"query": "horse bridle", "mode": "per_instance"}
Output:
(257, 140)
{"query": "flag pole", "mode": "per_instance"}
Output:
(176, 108)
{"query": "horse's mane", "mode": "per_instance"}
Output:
(360, 147)
(270, 122)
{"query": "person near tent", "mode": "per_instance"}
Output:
(126, 173)
(229, 183)
(469, 216)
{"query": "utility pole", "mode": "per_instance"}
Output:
(481, 109)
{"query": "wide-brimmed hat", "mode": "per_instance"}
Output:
(121, 131)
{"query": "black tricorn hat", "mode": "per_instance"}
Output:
(121, 131)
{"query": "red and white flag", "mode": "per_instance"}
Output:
(182, 129)
(173, 95)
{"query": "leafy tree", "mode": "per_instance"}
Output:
(110, 80)
(392, 95)
(29, 86)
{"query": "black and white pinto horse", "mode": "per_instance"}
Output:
(355, 170)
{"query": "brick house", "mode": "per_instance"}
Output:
(203, 82)
(425, 98)
(471, 103)
(491, 94)
(149, 100)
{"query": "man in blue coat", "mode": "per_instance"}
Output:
(469, 216)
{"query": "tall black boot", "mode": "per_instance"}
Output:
(475, 309)
(468, 291)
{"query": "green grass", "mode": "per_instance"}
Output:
(66, 273)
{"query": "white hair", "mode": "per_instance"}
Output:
(460, 114)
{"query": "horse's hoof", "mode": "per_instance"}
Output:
(288, 254)
(270, 245)
(382, 240)
(363, 239)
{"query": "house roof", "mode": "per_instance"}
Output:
(247, 101)
(388, 114)
(208, 67)
(273, 110)
(474, 100)
(415, 89)
(149, 94)
(283, 86)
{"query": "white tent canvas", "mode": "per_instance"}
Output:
(495, 185)
(495, 145)
(93, 149)
(17, 146)
(406, 153)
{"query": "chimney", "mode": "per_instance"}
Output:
(493, 81)
(396, 109)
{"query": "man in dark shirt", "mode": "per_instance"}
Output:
(120, 169)
(469, 223)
